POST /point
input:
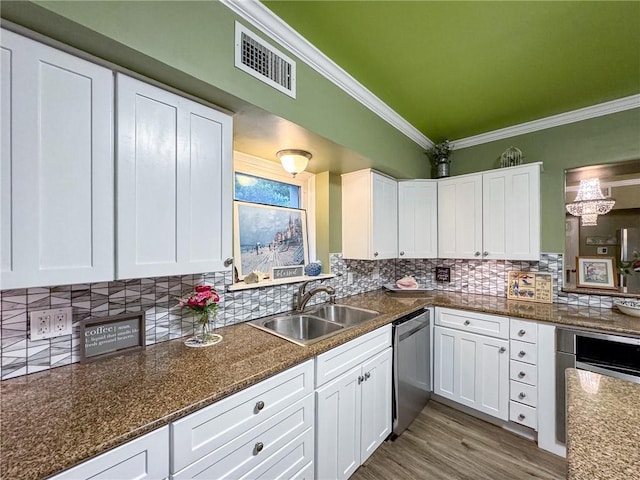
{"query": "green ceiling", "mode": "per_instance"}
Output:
(456, 69)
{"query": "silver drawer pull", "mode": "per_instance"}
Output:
(258, 448)
(467, 322)
(521, 333)
(521, 395)
(502, 349)
(521, 417)
(521, 375)
(522, 353)
(259, 406)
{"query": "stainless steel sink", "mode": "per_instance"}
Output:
(302, 329)
(343, 314)
(309, 327)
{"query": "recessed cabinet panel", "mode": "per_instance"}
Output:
(467, 381)
(376, 404)
(494, 216)
(444, 355)
(153, 167)
(57, 167)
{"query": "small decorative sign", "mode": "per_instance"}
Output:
(105, 337)
(443, 274)
(287, 272)
(530, 286)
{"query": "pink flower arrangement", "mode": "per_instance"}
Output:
(204, 301)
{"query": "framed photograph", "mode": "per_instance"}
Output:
(530, 286)
(596, 272)
(266, 236)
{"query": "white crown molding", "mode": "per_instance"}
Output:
(266, 21)
(601, 109)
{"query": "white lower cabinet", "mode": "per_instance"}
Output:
(472, 369)
(145, 458)
(265, 428)
(353, 408)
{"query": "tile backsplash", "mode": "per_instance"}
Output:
(164, 319)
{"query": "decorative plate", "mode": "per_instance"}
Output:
(196, 342)
(629, 307)
(393, 288)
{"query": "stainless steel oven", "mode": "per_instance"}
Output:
(611, 355)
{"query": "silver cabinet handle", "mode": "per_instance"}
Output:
(367, 376)
(375, 254)
(521, 395)
(477, 254)
(521, 417)
(401, 253)
(522, 353)
(360, 379)
(259, 406)
(484, 254)
(228, 262)
(258, 448)
(521, 333)
(521, 375)
(467, 322)
(502, 349)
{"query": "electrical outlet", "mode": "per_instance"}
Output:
(50, 323)
(349, 278)
(375, 273)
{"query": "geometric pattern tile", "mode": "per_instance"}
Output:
(164, 320)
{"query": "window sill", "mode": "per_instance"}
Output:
(281, 281)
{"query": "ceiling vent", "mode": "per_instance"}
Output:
(260, 59)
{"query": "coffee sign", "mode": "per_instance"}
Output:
(102, 337)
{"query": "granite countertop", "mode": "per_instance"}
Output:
(74, 412)
(603, 427)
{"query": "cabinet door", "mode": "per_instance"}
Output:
(376, 403)
(384, 237)
(174, 183)
(460, 217)
(472, 370)
(418, 219)
(338, 424)
(56, 167)
(511, 213)
(145, 458)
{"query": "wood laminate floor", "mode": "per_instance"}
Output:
(445, 444)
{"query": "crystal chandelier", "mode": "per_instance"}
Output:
(590, 202)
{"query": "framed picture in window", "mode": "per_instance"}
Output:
(596, 272)
(266, 236)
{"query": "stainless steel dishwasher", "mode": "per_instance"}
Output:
(411, 368)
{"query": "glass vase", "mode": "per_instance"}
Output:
(205, 331)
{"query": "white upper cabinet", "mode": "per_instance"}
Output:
(369, 216)
(491, 215)
(511, 213)
(56, 167)
(460, 217)
(418, 218)
(174, 181)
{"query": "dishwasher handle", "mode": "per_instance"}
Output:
(410, 327)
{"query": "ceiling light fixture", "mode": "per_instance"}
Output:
(294, 161)
(590, 202)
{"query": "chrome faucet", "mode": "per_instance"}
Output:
(303, 297)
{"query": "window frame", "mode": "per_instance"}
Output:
(261, 167)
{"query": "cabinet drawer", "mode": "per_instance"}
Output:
(213, 427)
(339, 360)
(287, 462)
(143, 458)
(523, 372)
(491, 325)
(523, 393)
(524, 352)
(524, 331)
(523, 414)
(245, 454)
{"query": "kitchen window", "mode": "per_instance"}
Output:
(262, 181)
